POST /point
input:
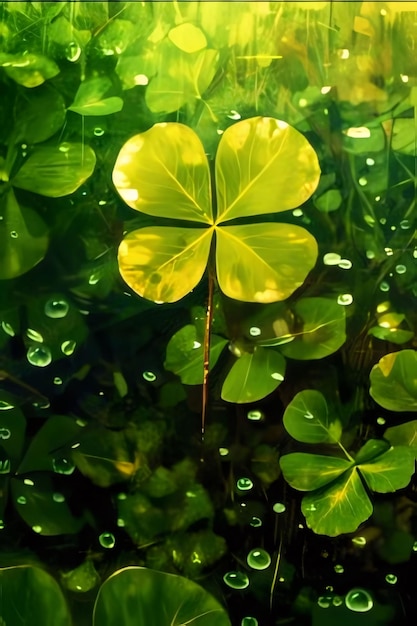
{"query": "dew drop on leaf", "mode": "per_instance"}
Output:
(380, 421)
(415, 546)
(37, 529)
(34, 335)
(339, 569)
(359, 600)
(255, 415)
(58, 497)
(345, 299)
(249, 621)
(57, 380)
(277, 376)
(384, 286)
(8, 329)
(400, 269)
(63, 465)
(331, 258)
(21, 500)
(345, 264)
(391, 579)
(98, 132)
(1, 524)
(40, 356)
(254, 331)
(150, 377)
(5, 406)
(324, 601)
(121, 522)
(56, 308)
(223, 451)
(72, 52)
(107, 540)
(255, 522)
(279, 507)
(236, 580)
(359, 541)
(28, 482)
(68, 347)
(14, 234)
(337, 601)
(258, 559)
(244, 484)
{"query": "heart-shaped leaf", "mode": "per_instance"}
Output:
(389, 471)
(135, 596)
(41, 603)
(307, 419)
(254, 376)
(394, 381)
(90, 100)
(403, 435)
(56, 171)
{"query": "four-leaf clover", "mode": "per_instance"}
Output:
(263, 166)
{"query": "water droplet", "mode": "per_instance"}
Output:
(196, 345)
(405, 224)
(236, 580)
(337, 601)
(56, 308)
(5, 406)
(14, 234)
(57, 380)
(34, 335)
(68, 347)
(359, 541)
(63, 465)
(255, 522)
(249, 621)
(40, 356)
(2, 524)
(94, 278)
(21, 500)
(8, 329)
(400, 269)
(278, 507)
(254, 331)
(255, 415)
(37, 529)
(359, 600)
(29, 482)
(258, 559)
(107, 540)
(122, 496)
(297, 213)
(149, 376)
(58, 497)
(345, 264)
(102, 203)
(72, 52)
(64, 147)
(345, 299)
(45, 404)
(370, 161)
(277, 376)
(331, 258)
(384, 286)
(234, 115)
(223, 451)
(99, 132)
(5, 466)
(380, 421)
(391, 579)
(370, 254)
(311, 507)
(324, 601)
(308, 415)
(120, 522)
(339, 569)
(363, 181)
(244, 484)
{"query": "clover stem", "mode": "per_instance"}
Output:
(345, 451)
(206, 360)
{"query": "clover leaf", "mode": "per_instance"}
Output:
(394, 381)
(338, 500)
(263, 166)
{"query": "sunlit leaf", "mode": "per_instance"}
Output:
(329, 201)
(394, 381)
(322, 332)
(263, 262)
(338, 508)
(117, 35)
(136, 595)
(164, 172)
(56, 171)
(307, 472)
(307, 419)
(136, 70)
(403, 136)
(394, 335)
(188, 37)
(39, 114)
(389, 471)
(185, 354)
(90, 100)
(371, 450)
(163, 264)
(254, 376)
(29, 69)
(403, 435)
(40, 602)
(263, 165)
(23, 238)
(43, 509)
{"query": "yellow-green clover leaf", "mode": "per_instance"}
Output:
(263, 166)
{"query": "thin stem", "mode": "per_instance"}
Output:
(345, 452)
(206, 361)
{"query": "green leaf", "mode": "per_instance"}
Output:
(254, 376)
(188, 38)
(185, 354)
(394, 381)
(390, 471)
(328, 201)
(372, 449)
(136, 70)
(403, 139)
(323, 329)
(363, 140)
(263, 262)
(403, 435)
(263, 165)
(29, 69)
(164, 263)
(56, 171)
(89, 99)
(31, 596)
(307, 472)
(41, 507)
(53, 440)
(182, 78)
(81, 579)
(394, 335)
(338, 508)
(164, 172)
(39, 114)
(306, 419)
(23, 238)
(136, 595)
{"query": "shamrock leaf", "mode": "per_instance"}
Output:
(263, 166)
(338, 500)
(394, 381)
